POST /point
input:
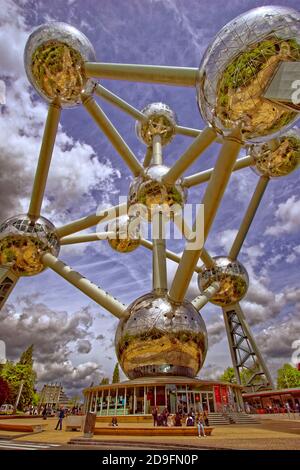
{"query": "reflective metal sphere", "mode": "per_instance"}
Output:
(23, 242)
(127, 234)
(232, 276)
(238, 66)
(161, 338)
(279, 157)
(54, 59)
(155, 195)
(159, 120)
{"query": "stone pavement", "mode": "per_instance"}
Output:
(268, 435)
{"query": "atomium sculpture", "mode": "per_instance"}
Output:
(162, 333)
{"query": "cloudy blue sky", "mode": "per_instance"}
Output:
(73, 337)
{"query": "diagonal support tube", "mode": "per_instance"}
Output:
(44, 161)
(113, 135)
(87, 287)
(199, 145)
(249, 216)
(92, 220)
(148, 157)
(169, 254)
(159, 261)
(86, 237)
(211, 201)
(204, 298)
(178, 76)
(204, 176)
(107, 95)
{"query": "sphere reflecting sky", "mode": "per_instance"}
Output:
(54, 62)
(23, 242)
(237, 67)
(160, 338)
(233, 278)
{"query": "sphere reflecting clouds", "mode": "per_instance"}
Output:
(23, 242)
(127, 234)
(54, 61)
(233, 278)
(161, 338)
(150, 191)
(238, 66)
(159, 120)
(279, 157)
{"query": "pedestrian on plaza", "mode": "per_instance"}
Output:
(205, 417)
(200, 425)
(114, 421)
(154, 414)
(189, 420)
(61, 415)
(44, 412)
(177, 421)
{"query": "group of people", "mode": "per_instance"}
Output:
(167, 419)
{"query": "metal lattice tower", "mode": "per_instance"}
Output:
(162, 333)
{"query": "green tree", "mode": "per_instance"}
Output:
(288, 377)
(16, 373)
(228, 375)
(4, 391)
(116, 374)
(104, 381)
(26, 357)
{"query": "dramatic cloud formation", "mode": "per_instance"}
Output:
(287, 217)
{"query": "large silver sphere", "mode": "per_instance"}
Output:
(161, 338)
(23, 242)
(150, 191)
(159, 120)
(238, 66)
(279, 157)
(54, 59)
(233, 278)
(127, 234)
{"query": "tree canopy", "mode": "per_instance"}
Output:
(116, 374)
(288, 377)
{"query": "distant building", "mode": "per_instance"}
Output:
(53, 396)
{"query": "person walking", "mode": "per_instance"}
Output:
(61, 416)
(45, 412)
(200, 425)
(154, 414)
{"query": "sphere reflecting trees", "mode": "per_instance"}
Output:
(54, 61)
(238, 66)
(150, 191)
(159, 120)
(23, 242)
(231, 275)
(278, 157)
(161, 338)
(127, 234)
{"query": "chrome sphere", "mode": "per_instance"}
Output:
(159, 120)
(238, 66)
(54, 62)
(279, 157)
(233, 278)
(151, 192)
(23, 242)
(127, 234)
(160, 337)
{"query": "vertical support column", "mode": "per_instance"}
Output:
(96, 399)
(145, 399)
(108, 402)
(125, 399)
(101, 403)
(244, 351)
(116, 405)
(134, 400)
